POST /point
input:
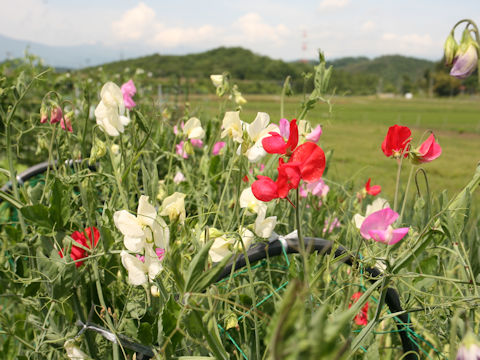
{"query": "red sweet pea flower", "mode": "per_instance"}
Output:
(396, 142)
(264, 189)
(275, 144)
(428, 151)
(372, 189)
(362, 317)
(306, 162)
(312, 161)
(77, 253)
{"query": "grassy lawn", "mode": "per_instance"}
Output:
(358, 125)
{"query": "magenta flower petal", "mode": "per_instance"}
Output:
(197, 143)
(128, 90)
(390, 236)
(217, 147)
(379, 220)
(315, 134)
(284, 126)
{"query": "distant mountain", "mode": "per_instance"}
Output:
(60, 56)
(390, 68)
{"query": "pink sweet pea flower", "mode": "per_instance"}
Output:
(377, 226)
(428, 151)
(284, 127)
(180, 150)
(217, 147)
(128, 90)
(66, 123)
(315, 134)
(56, 115)
(318, 188)
(197, 143)
(179, 177)
(175, 128)
(160, 253)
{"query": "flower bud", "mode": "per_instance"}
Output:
(188, 148)
(429, 150)
(469, 348)
(466, 57)
(450, 48)
(56, 115)
(43, 113)
(99, 150)
(154, 291)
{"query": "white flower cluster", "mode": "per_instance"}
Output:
(145, 235)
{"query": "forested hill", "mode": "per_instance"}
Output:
(356, 75)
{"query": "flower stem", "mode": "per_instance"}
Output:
(301, 240)
(397, 183)
(116, 171)
(406, 194)
(102, 303)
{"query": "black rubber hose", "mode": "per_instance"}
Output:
(261, 251)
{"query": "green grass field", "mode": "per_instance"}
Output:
(357, 126)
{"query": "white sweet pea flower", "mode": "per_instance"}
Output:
(173, 206)
(250, 202)
(258, 130)
(143, 228)
(220, 248)
(377, 205)
(141, 268)
(110, 110)
(247, 238)
(232, 126)
(73, 351)
(264, 227)
(217, 80)
(193, 129)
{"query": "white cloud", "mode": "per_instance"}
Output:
(413, 40)
(134, 23)
(177, 36)
(333, 4)
(368, 26)
(251, 28)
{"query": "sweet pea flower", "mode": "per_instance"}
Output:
(143, 229)
(193, 129)
(217, 80)
(217, 147)
(77, 253)
(372, 189)
(284, 126)
(362, 317)
(396, 141)
(428, 151)
(249, 202)
(197, 143)
(377, 205)
(173, 206)
(66, 123)
(329, 226)
(109, 112)
(73, 351)
(56, 115)
(180, 150)
(142, 268)
(469, 348)
(232, 126)
(128, 91)
(377, 226)
(264, 226)
(315, 134)
(465, 62)
(257, 131)
(179, 177)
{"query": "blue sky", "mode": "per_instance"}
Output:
(274, 28)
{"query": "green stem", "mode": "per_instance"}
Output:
(116, 172)
(104, 306)
(233, 161)
(406, 194)
(301, 240)
(397, 182)
(13, 178)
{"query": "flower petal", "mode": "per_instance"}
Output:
(312, 159)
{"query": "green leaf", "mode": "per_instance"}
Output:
(197, 267)
(210, 276)
(145, 334)
(37, 214)
(10, 199)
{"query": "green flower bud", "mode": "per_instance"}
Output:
(450, 48)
